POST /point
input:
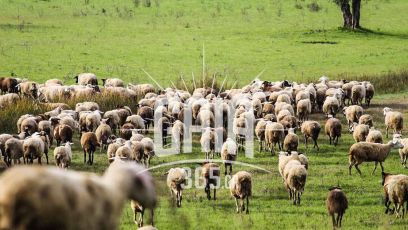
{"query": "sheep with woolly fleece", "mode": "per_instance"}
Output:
(113, 82)
(53, 113)
(311, 129)
(404, 152)
(211, 174)
(369, 92)
(257, 107)
(393, 120)
(34, 147)
(8, 85)
(283, 113)
(374, 136)
(93, 120)
(30, 124)
(176, 180)
(208, 142)
(114, 119)
(260, 133)
(103, 132)
(336, 202)
(148, 145)
(162, 127)
(147, 114)
(21, 119)
(136, 136)
(282, 106)
(268, 108)
(177, 133)
(358, 93)
(124, 152)
(28, 89)
(142, 89)
(388, 178)
(205, 118)
(360, 132)
(332, 129)
(86, 106)
(229, 152)
(63, 155)
(89, 142)
(66, 189)
(291, 141)
(398, 194)
(337, 93)
(274, 134)
(51, 82)
(301, 95)
(366, 119)
(3, 138)
(86, 78)
(8, 99)
(284, 98)
(367, 152)
(285, 157)
(295, 175)
(353, 114)
(331, 106)
(136, 121)
(347, 91)
(241, 189)
(71, 122)
(123, 112)
(113, 147)
(87, 91)
(62, 133)
(320, 98)
(303, 109)
(137, 151)
(45, 126)
(13, 150)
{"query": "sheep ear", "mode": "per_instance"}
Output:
(166, 173)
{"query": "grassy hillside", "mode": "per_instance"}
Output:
(43, 39)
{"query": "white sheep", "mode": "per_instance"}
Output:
(176, 180)
(353, 114)
(229, 153)
(63, 155)
(404, 152)
(72, 196)
(303, 109)
(208, 141)
(331, 105)
(393, 120)
(241, 189)
(360, 132)
(358, 93)
(374, 136)
(295, 175)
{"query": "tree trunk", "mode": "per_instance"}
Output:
(347, 17)
(356, 13)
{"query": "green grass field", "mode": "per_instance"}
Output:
(44, 39)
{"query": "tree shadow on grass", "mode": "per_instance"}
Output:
(370, 32)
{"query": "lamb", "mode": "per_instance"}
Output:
(33, 148)
(274, 133)
(176, 180)
(13, 150)
(291, 141)
(360, 132)
(295, 175)
(404, 152)
(353, 114)
(393, 120)
(336, 202)
(367, 152)
(331, 105)
(86, 78)
(366, 119)
(333, 130)
(241, 188)
(229, 152)
(358, 93)
(374, 136)
(113, 82)
(303, 108)
(63, 155)
(72, 189)
(211, 173)
(177, 133)
(89, 142)
(311, 129)
(103, 132)
(208, 142)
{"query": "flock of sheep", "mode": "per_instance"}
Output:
(275, 110)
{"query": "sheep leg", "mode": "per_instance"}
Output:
(46, 156)
(207, 191)
(141, 218)
(330, 140)
(230, 168)
(226, 169)
(305, 141)
(315, 144)
(375, 167)
(386, 131)
(39, 160)
(236, 204)
(84, 156)
(382, 167)
(247, 205)
(358, 170)
(215, 190)
(334, 220)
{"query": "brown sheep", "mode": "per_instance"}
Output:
(311, 129)
(126, 131)
(146, 113)
(291, 141)
(336, 202)
(210, 172)
(333, 130)
(89, 142)
(63, 133)
(386, 179)
(8, 85)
